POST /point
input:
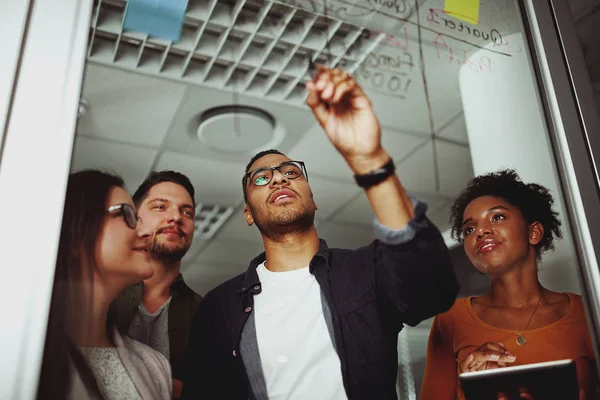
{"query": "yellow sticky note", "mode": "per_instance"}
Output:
(467, 10)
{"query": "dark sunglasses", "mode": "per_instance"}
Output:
(129, 215)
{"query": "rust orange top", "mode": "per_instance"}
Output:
(459, 331)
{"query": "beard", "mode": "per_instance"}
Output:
(275, 227)
(167, 253)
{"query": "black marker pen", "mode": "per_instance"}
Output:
(312, 69)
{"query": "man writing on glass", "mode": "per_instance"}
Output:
(306, 321)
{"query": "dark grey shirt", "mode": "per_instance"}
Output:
(152, 329)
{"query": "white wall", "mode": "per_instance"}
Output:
(507, 129)
(35, 164)
(12, 28)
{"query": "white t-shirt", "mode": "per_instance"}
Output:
(297, 355)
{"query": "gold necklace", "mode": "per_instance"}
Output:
(521, 339)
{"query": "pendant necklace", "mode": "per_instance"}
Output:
(521, 339)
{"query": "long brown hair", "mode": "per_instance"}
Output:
(84, 213)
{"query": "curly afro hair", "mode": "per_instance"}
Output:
(534, 201)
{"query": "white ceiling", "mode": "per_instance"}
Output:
(144, 110)
(142, 117)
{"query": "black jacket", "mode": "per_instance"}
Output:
(371, 292)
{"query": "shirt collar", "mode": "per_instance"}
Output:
(177, 286)
(250, 279)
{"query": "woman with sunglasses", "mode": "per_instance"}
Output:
(506, 226)
(99, 255)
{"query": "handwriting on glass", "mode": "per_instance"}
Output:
(387, 62)
(388, 38)
(397, 6)
(352, 9)
(492, 35)
(386, 71)
(446, 52)
(396, 85)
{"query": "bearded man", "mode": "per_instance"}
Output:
(158, 311)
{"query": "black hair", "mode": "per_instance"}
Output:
(157, 177)
(533, 200)
(252, 161)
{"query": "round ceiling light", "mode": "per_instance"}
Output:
(238, 129)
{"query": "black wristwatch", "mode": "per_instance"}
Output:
(376, 176)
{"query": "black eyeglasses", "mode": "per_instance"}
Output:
(289, 169)
(129, 215)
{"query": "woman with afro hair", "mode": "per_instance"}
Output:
(505, 226)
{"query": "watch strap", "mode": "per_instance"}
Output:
(376, 176)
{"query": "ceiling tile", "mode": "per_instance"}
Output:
(131, 162)
(318, 153)
(236, 228)
(456, 130)
(400, 145)
(442, 78)
(330, 195)
(440, 216)
(215, 182)
(128, 106)
(290, 124)
(345, 236)
(391, 77)
(433, 202)
(237, 253)
(455, 167)
(417, 172)
(197, 246)
(359, 211)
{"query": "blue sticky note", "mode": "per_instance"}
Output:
(159, 18)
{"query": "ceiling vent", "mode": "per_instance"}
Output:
(258, 48)
(238, 129)
(209, 219)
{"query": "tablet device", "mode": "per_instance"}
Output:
(547, 380)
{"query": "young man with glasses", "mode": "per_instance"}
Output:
(158, 311)
(306, 321)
